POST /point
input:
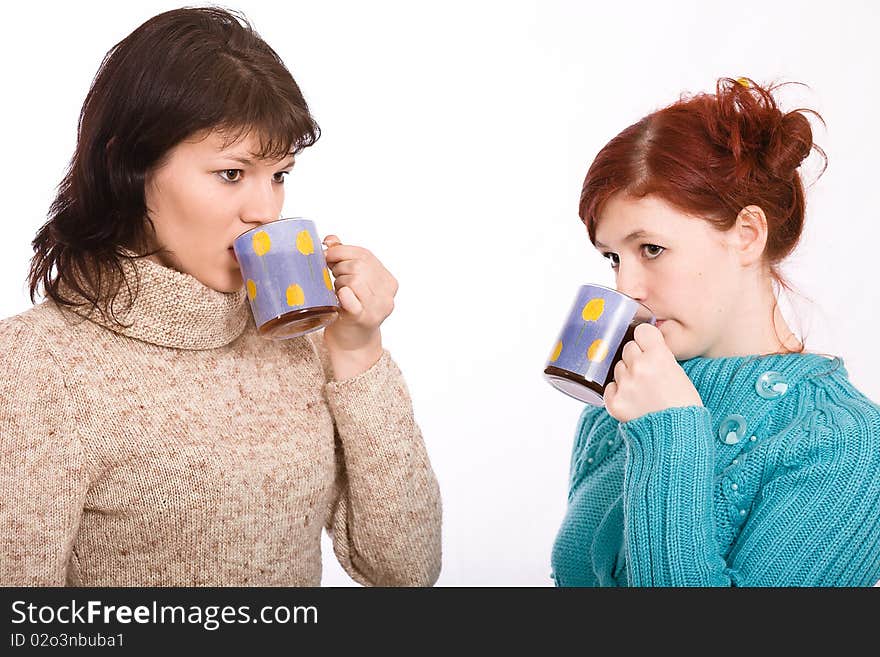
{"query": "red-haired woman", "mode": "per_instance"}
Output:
(149, 436)
(726, 453)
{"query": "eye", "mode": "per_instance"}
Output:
(279, 177)
(612, 258)
(230, 175)
(652, 250)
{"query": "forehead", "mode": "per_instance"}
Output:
(622, 216)
(210, 143)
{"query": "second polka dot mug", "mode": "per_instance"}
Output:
(600, 323)
(286, 277)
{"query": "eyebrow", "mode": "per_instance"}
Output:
(632, 236)
(248, 162)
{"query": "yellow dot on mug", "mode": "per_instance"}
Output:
(593, 309)
(597, 351)
(262, 243)
(304, 243)
(295, 295)
(556, 351)
(327, 280)
(252, 289)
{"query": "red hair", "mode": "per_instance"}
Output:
(711, 155)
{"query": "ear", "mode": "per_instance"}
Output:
(748, 236)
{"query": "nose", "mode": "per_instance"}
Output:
(631, 281)
(262, 205)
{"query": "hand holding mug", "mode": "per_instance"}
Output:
(366, 291)
(601, 321)
(648, 378)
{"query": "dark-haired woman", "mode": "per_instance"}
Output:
(148, 435)
(726, 453)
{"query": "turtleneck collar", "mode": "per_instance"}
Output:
(172, 309)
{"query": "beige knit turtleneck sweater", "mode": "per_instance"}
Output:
(186, 450)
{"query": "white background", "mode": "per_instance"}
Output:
(456, 138)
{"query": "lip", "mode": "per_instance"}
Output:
(659, 322)
(232, 251)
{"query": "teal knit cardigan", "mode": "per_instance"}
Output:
(774, 481)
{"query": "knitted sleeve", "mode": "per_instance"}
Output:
(386, 519)
(669, 524)
(43, 473)
(814, 522)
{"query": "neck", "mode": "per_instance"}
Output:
(760, 327)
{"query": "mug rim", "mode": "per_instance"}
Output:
(269, 223)
(623, 294)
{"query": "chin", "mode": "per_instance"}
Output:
(226, 282)
(674, 342)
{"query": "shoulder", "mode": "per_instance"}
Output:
(29, 365)
(832, 393)
(42, 333)
(43, 321)
(24, 332)
(839, 415)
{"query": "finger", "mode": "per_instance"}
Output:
(338, 253)
(610, 393)
(361, 287)
(348, 267)
(357, 285)
(620, 371)
(349, 301)
(647, 336)
(631, 350)
(345, 280)
(331, 240)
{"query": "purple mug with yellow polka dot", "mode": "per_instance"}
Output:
(599, 325)
(286, 277)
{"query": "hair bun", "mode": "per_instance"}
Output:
(789, 145)
(764, 141)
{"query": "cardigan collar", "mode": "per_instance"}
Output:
(750, 387)
(720, 377)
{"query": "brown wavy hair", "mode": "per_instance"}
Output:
(711, 155)
(182, 72)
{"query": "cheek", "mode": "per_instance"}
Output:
(681, 293)
(688, 298)
(185, 208)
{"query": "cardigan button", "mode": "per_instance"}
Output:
(732, 429)
(771, 385)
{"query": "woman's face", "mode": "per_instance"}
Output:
(204, 196)
(678, 265)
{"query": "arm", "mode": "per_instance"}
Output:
(43, 474)
(668, 510)
(386, 517)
